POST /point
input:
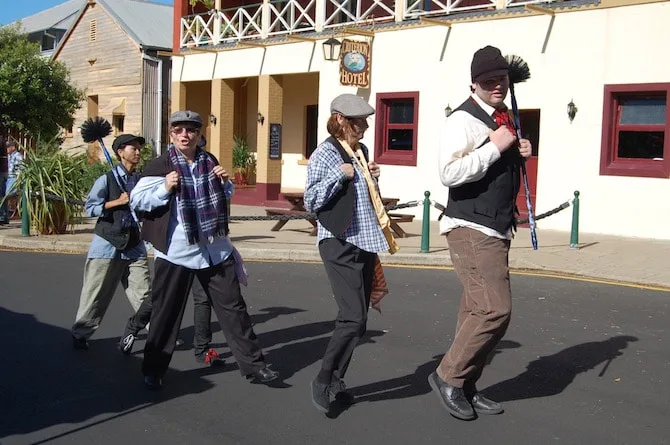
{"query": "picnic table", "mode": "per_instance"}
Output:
(297, 201)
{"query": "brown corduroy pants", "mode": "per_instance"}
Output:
(481, 263)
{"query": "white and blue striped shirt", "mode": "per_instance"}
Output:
(324, 180)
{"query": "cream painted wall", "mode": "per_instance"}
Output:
(585, 50)
(300, 90)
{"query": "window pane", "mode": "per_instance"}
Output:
(643, 111)
(641, 144)
(400, 139)
(401, 111)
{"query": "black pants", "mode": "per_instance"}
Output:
(202, 318)
(350, 271)
(140, 319)
(170, 288)
(4, 213)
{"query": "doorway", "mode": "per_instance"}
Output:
(530, 129)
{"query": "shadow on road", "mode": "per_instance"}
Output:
(550, 375)
(414, 384)
(45, 382)
(263, 316)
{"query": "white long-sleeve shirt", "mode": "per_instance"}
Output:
(460, 161)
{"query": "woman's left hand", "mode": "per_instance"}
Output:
(374, 169)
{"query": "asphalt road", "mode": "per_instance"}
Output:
(582, 363)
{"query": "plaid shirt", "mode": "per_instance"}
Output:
(14, 163)
(324, 180)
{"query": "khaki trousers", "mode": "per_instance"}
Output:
(101, 278)
(481, 263)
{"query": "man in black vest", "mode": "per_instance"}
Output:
(117, 253)
(479, 160)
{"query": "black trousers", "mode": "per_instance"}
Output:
(140, 319)
(202, 319)
(350, 271)
(170, 288)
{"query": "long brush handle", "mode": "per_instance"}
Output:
(116, 176)
(524, 173)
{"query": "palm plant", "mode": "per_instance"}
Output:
(244, 162)
(56, 183)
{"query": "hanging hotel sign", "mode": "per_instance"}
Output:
(355, 60)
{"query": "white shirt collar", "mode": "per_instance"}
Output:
(486, 107)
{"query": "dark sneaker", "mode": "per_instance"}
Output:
(338, 391)
(320, 396)
(153, 382)
(210, 358)
(126, 344)
(79, 343)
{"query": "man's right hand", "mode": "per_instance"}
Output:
(348, 170)
(123, 199)
(503, 138)
(171, 181)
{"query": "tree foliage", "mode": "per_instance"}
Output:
(36, 95)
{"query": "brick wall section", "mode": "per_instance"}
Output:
(221, 133)
(270, 103)
(178, 96)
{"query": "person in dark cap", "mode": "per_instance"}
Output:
(479, 161)
(182, 196)
(117, 253)
(349, 236)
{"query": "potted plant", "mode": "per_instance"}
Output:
(49, 172)
(250, 169)
(241, 159)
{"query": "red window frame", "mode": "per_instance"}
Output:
(610, 163)
(382, 125)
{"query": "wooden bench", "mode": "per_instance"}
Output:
(282, 222)
(396, 219)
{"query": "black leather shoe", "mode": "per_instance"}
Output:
(452, 398)
(482, 405)
(338, 391)
(153, 382)
(263, 375)
(320, 396)
(79, 343)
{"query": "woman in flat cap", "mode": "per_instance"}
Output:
(342, 190)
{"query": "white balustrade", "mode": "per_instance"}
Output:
(279, 17)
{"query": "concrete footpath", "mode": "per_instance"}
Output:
(629, 260)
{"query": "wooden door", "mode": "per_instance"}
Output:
(530, 129)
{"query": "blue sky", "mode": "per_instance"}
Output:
(25, 8)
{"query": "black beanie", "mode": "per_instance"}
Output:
(488, 62)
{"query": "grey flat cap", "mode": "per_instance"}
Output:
(350, 105)
(186, 116)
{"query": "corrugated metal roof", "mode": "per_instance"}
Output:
(58, 17)
(148, 23)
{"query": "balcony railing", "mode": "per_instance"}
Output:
(279, 17)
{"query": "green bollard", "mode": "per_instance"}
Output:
(574, 233)
(25, 216)
(425, 230)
